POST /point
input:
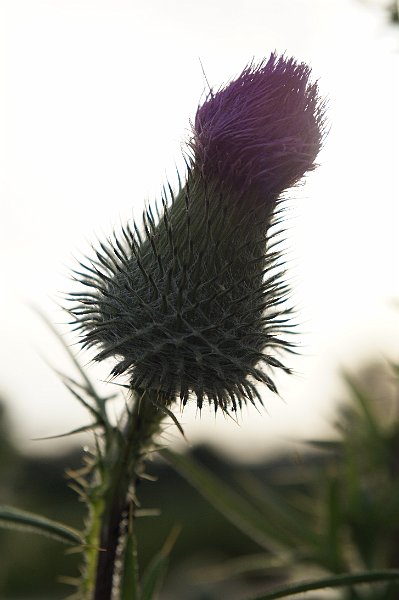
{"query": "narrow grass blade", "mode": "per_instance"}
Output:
(88, 384)
(330, 582)
(364, 404)
(13, 518)
(239, 511)
(129, 586)
(244, 565)
(273, 505)
(325, 445)
(155, 573)
(334, 524)
(94, 411)
(82, 429)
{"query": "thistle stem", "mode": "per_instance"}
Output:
(124, 460)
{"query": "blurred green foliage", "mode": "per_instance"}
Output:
(334, 511)
(338, 513)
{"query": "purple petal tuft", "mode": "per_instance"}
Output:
(262, 131)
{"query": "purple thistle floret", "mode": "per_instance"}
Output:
(261, 131)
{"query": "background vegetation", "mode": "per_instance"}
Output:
(332, 509)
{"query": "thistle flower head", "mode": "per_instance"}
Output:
(263, 130)
(192, 303)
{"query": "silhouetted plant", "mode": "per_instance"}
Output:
(191, 303)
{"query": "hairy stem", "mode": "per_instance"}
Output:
(122, 465)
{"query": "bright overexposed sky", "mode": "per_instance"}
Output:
(96, 97)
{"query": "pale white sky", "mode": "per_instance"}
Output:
(96, 97)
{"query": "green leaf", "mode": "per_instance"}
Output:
(364, 403)
(394, 367)
(129, 586)
(330, 582)
(14, 518)
(334, 525)
(265, 531)
(153, 577)
(155, 573)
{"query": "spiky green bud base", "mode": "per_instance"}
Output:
(190, 305)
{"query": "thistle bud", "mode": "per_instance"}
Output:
(193, 302)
